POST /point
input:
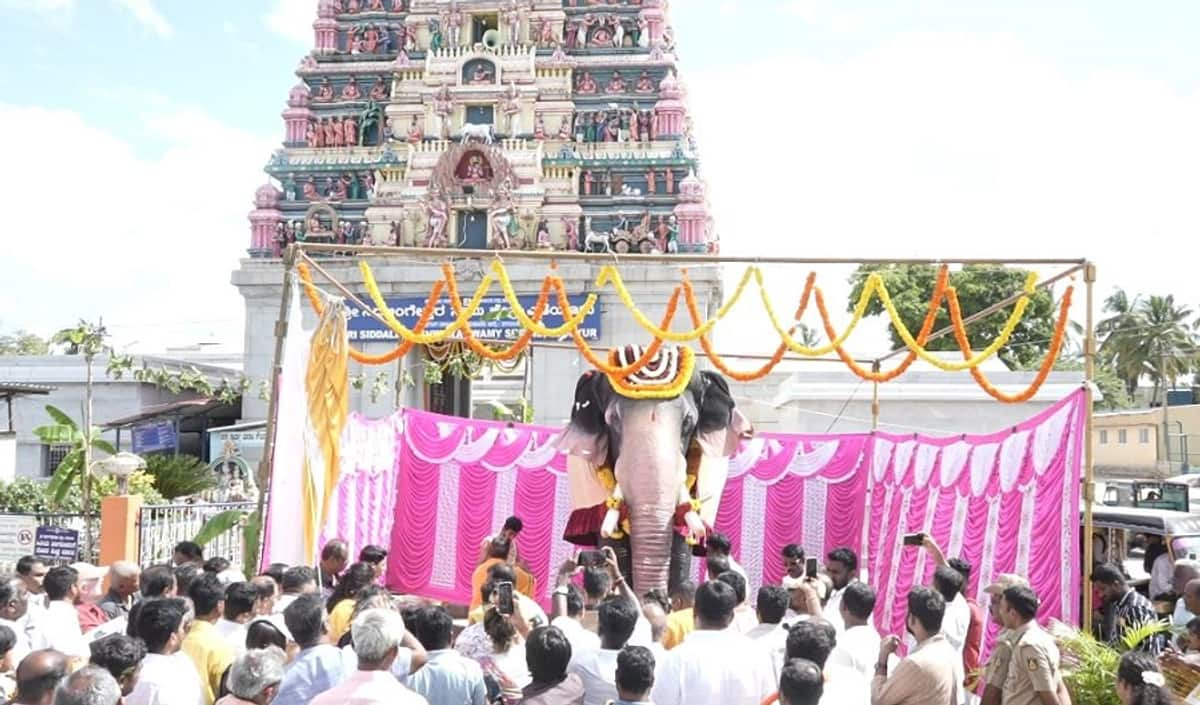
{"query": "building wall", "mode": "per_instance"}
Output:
(1145, 446)
(112, 399)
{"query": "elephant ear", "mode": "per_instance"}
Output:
(587, 433)
(720, 426)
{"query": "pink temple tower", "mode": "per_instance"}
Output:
(297, 115)
(264, 221)
(692, 214)
(670, 110)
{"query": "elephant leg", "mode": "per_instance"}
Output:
(624, 555)
(681, 562)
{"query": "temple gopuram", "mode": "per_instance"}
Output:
(484, 125)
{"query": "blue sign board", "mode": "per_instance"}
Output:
(153, 437)
(493, 322)
(54, 543)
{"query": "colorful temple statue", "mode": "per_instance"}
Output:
(435, 80)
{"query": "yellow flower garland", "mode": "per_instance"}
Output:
(406, 333)
(1010, 326)
(570, 322)
(609, 274)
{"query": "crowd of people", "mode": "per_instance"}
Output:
(198, 632)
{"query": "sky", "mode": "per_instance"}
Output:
(135, 133)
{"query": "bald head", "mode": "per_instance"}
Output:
(1185, 572)
(124, 578)
(1191, 596)
(38, 675)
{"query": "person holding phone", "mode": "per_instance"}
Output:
(841, 565)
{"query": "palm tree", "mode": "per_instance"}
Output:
(1120, 336)
(1169, 340)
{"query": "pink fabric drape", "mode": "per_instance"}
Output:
(434, 487)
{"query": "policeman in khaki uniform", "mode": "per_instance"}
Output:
(1033, 676)
(996, 670)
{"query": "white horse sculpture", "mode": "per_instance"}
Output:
(627, 190)
(594, 238)
(484, 133)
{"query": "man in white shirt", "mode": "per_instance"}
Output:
(857, 647)
(238, 611)
(167, 676)
(14, 614)
(715, 664)
(957, 620)
(32, 572)
(770, 606)
(597, 668)
(1185, 572)
(61, 622)
(567, 607)
(841, 565)
(744, 617)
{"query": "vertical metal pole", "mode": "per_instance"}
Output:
(1089, 485)
(266, 465)
(875, 398)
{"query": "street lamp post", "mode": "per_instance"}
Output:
(121, 466)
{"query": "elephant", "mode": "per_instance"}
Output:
(646, 474)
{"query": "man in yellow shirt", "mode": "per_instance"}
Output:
(209, 652)
(681, 621)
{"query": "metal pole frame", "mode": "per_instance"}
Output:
(266, 466)
(300, 251)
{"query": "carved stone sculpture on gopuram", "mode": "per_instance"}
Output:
(477, 124)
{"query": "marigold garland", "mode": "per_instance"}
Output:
(570, 322)
(573, 318)
(519, 345)
(1056, 343)
(1010, 326)
(402, 349)
(385, 311)
(935, 305)
(609, 274)
(719, 362)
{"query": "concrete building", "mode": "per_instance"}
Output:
(64, 376)
(1147, 442)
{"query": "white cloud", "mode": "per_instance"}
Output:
(292, 19)
(147, 15)
(952, 145)
(147, 243)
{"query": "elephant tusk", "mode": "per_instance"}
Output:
(609, 524)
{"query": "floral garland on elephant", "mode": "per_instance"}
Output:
(648, 446)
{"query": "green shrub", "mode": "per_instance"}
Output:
(28, 496)
(179, 476)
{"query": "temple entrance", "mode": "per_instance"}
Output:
(473, 233)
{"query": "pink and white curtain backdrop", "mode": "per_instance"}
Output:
(1008, 502)
(433, 487)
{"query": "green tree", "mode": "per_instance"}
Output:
(1113, 394)
(1147, 337)
(979, 286)
(22, 342)
(76, 464)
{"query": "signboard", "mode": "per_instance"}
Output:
(242, 443)
(153, 437)
(16, 537)
(487, 324)
(53, 543)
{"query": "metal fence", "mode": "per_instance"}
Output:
(65, 521)
(163, 526)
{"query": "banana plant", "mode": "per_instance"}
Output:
(249, 523)
(72, 469)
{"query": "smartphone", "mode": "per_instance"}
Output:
(504, 598)
(590, 559)
(914, 539)
(810, 568)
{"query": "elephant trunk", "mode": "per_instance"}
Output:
(650, 470)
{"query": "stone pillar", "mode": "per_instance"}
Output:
(325, 30)
(692, 214)
(119, 529)
(296, 121)
(655, 21)
(263, 221)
